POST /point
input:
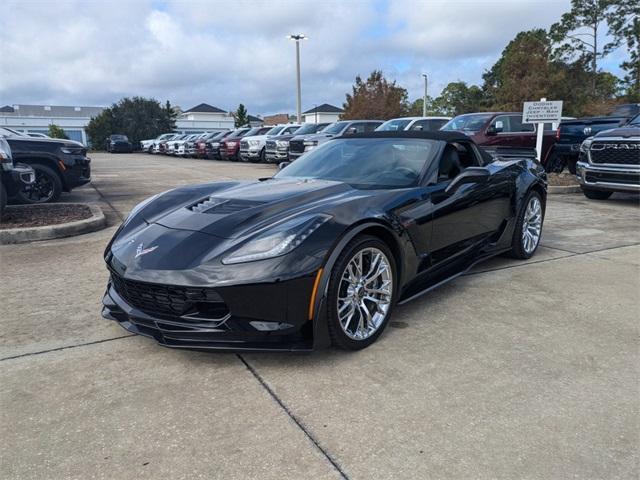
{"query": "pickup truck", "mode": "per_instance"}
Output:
(303, 143)
(59, 165)
(498, 130)
(572, 133)
(277, 148)
(609, 161)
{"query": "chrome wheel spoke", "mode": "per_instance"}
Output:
(532, 225)
(365, 293)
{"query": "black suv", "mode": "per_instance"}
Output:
(59, 165)
(118, 143)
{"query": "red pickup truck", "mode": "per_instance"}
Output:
(502, 129)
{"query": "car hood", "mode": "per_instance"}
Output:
(624, 132)
(35, 140)
(234, 209)
(260, 138)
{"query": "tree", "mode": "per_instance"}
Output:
(624, 26)
(376, 99)
(524, 72)
(138, 118)
(577, 34)
(458, 98)
(56, 132)
(241, 116)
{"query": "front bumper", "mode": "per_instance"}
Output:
(251, 152)
(278, 155)
(76, 172)
(624, 178)
(274, 319)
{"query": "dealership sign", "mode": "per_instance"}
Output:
(542, 112)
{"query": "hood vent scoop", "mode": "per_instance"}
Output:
(222, 206)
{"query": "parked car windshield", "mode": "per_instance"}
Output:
(394, 125)
(10, 132)
(365, 162)
(472, 122)
(274, 130)
(254, 131)
(119, 137)
(635, 121)
(309, 128)
(335, 128)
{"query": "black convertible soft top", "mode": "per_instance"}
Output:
(452, 136)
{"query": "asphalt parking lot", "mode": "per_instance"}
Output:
(515, 370)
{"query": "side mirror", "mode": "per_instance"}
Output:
(491, 131)
(281, 165)
(469, 175)
(418, 128)
(350, 131)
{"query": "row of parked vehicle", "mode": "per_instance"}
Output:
(274, 144)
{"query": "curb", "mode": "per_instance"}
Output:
(564, 189)
(96, 221)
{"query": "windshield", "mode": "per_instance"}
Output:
(238, 133)
(468, 123)
(10, 132)
(365, 162)
(310, 128)
(119, 137)
(335, 128)
(274, 131)
(394, 125)
(254, 131)
(635, 121)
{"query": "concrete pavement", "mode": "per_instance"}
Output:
(518, 369)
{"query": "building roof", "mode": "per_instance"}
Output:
(324, 108)
(276, 119)
(253, 118)
(204, 108)
(50, 111)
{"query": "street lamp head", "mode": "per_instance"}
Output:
(424, 75)
(296, 37)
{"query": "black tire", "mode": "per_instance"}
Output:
(47, 187)
(571, 165)
(518, 243)
(3, 199)
(338, 336)
(263, 156)
(596, 194)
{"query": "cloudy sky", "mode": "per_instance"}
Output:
(226, 52)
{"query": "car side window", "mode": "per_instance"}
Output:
(501, 124)
(358, 127)
(421, 125)
(370, 127)
(516, 125)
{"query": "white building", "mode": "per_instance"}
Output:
(324, 113)
(204, 118)
(37, 118)
(73, 120)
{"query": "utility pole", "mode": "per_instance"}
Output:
(424, 101)
(297, 38)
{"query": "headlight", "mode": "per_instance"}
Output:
(215, 144)
(254, 143)
(278, 240)
(282, 143)
(584, 147)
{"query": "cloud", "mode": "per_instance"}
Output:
(227, 52)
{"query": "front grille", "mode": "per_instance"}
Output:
(170, 300)
(244, 145)
(621, 153)
(609, 177)
(296, 146)
(271, 145)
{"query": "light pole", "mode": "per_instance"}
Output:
(297, 38)
(424, 101)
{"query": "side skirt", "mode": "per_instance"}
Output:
(438, 281)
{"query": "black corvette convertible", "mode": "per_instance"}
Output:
(320, 253)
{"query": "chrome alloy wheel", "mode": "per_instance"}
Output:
(532, 225)
(365, 293)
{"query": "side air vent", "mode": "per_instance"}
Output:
(222, 206)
